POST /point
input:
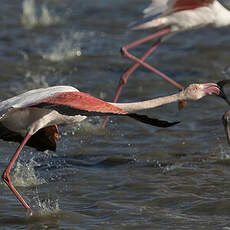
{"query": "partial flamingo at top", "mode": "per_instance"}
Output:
(184, 14)
(170, 17)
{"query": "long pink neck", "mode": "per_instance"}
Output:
(136, 106)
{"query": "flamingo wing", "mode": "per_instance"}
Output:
(156, 8)
(43, 139)
(78, 103)
(179, 5)
(159, 8)
(153, 11)
(30, 97)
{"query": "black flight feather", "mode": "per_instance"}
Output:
(70, 111)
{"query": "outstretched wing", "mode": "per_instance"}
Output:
(32, 96)
(78, 103)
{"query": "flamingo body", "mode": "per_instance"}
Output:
(47, 107)
(181, 15)
(32, 117)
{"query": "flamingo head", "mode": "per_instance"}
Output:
(197, 91)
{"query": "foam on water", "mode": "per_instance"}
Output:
(30, 18)
(224, 153)
(88, 126)
(46, 18)
(24, 175)
(67, 48)
(48, 207)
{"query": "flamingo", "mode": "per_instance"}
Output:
(226, 123)
(171, 17)
(31, 118)
(225, 118)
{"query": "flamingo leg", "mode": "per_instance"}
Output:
(6, 174)
(140, 61)
(125, 76)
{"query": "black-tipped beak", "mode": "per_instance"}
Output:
(222, 94)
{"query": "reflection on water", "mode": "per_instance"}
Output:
(130, 175)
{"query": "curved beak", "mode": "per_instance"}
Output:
(211, 88)
(222, 94)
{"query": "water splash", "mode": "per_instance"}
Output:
(30, 19)
(87, 126)
(67, 48)
(46, 18)
(224, 153)
(48, 207)
(34, 81)
(221, 150)
(24, 175)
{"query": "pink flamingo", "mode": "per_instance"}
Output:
(171, 16)
(32, 117)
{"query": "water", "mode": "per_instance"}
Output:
(130, 175)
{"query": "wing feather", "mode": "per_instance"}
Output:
(32, 96)
(179, 5)
(78, 103)
(157, 7)
(67, 102)
(153, 11)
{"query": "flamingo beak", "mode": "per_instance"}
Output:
(222, 94)
(211, 88)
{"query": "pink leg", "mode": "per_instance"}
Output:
(6, 174)
(125, 76)
(139, 62)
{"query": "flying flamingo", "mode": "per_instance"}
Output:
(171, 16)
(32, 117)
